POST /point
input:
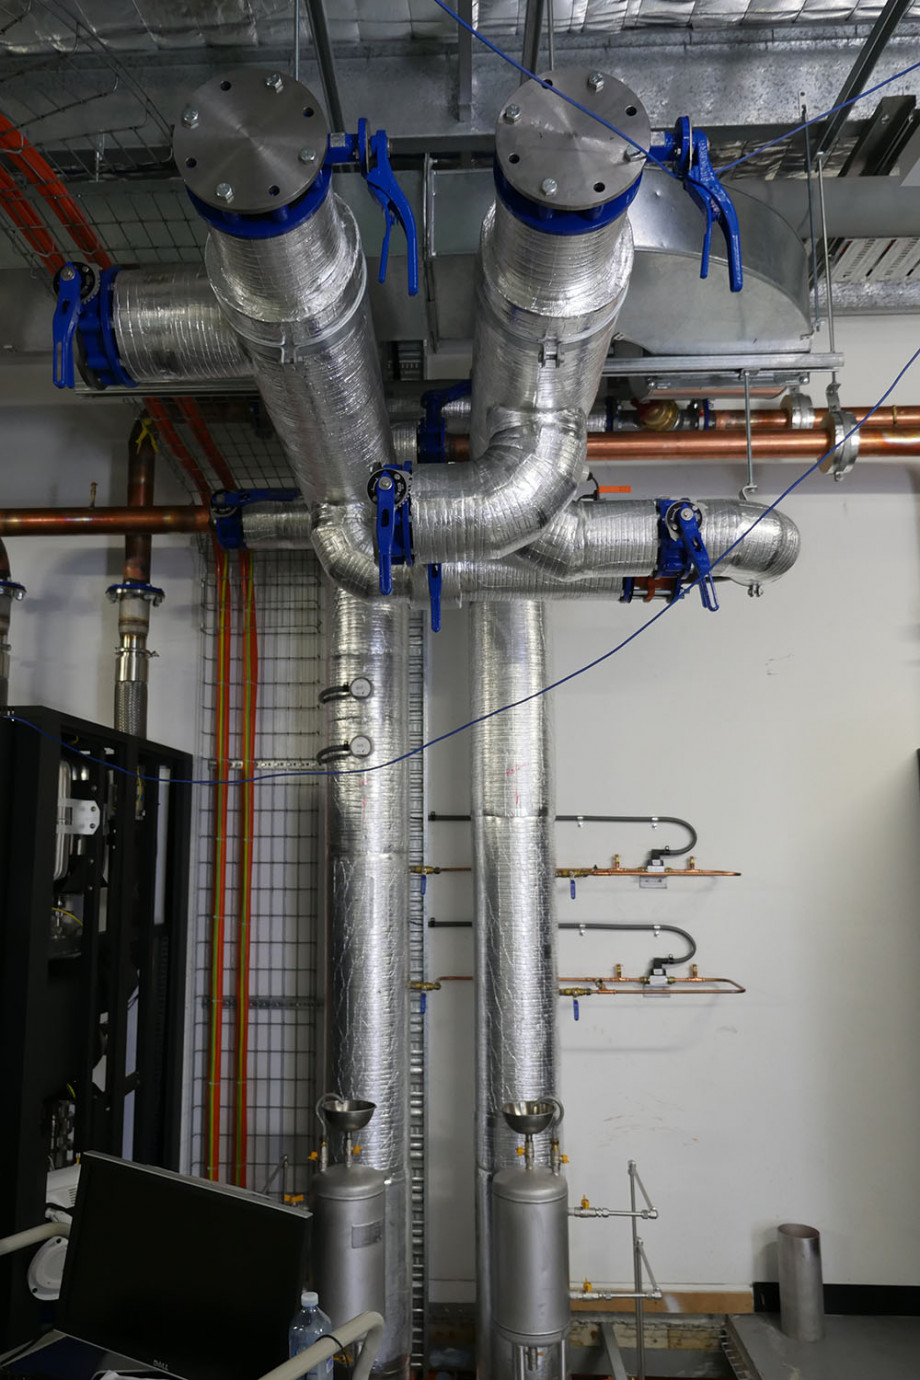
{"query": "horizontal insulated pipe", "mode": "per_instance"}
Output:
(636, 446)
(111, 522)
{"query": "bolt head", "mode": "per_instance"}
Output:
(512, 113)
(224, 191)
(307, 155)
(548, 186)
(275, 82)
(384, 482)
(596, 81)
(68, 274)
(190, 117)
(686, 514)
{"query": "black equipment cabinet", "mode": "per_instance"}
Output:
(94, 863)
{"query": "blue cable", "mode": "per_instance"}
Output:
(525, 71)
(515, 704)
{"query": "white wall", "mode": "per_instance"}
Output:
(65, 632)
(787, 730)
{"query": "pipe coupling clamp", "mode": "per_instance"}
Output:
(843, 438)
(800, 410)
(135, 589)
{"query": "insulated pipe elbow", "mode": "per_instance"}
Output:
(768, 541)
(494, 505)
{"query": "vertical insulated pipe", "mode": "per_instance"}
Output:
(131, 655)
(513, 808)
(367, 907)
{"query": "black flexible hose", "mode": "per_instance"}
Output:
(655, 853)
(661, 961)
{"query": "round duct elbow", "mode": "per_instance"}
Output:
(749, 543)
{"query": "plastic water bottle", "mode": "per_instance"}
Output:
(308, 1326)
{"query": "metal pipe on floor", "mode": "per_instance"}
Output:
(801, 1287)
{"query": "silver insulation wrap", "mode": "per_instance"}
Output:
(590, 539)
(299, 302)
(343, 541)
(547, 305)
(367, 907)
(170, 329)
(514, 867)
(276, 526)
(500, 501)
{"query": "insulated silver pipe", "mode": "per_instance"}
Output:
(170, 329)
(299, 303)
(514, 866)
(367, 907)
(546, 308)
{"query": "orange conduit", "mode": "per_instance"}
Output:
(246, 834)
(212, 1157)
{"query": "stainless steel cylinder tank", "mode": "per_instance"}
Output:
(349, 1253)
(530, 1265)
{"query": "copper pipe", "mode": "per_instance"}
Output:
(763, 419)
(112, 522)
(141, 463)
(729, 444)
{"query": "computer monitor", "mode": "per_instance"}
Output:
(181, 1274)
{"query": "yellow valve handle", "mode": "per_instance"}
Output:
(587, 1286)
(519, 1150)
(585, 1203)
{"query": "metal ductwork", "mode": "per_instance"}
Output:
(367, 908)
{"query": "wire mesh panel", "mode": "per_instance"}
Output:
(285, 990)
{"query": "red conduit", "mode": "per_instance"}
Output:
(27, 220)
(31, 164)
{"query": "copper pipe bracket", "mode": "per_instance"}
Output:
(843, 436)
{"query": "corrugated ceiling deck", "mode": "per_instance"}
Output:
(136, 26)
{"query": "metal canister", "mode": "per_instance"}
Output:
(530, 1235)
(348, 1257)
